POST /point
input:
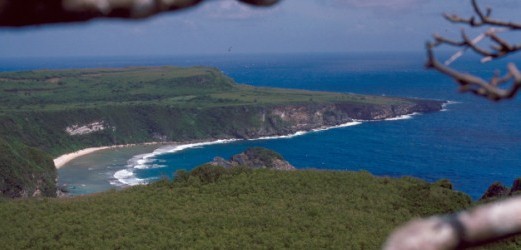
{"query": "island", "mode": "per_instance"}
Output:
(48, 113)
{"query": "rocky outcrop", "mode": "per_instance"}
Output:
(256, 157)
(86, 129)
(495, 190)
(516, 187)
(498, 190)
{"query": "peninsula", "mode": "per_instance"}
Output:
(48, 113)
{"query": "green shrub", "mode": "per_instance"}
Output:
(444, 183)
(208, 173)
(181, 175)
(237, 170)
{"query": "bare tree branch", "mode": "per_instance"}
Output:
(34, 12)
(475, 227)
(477, 85)
(503, 47)
(497, 88)
(483, 19)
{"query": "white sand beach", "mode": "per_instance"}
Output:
(64, 159)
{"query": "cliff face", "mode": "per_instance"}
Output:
(287, 119)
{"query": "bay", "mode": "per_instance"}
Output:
(473, 143)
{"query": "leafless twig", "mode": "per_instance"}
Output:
(482, 19)
(477, 85)
(494, 88)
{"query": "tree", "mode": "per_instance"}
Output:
(486, 223)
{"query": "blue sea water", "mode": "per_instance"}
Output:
(473, 143)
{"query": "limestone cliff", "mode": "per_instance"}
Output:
(288, 119)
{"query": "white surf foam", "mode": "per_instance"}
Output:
(347, 124)
(279, 136)
(402, 117)
(444, 105)
(298, 133)
(127, 177)
(177, 148)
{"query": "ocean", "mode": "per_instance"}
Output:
(473, 142)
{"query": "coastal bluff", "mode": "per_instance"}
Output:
(55, 112)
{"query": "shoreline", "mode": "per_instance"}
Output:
(61, 160)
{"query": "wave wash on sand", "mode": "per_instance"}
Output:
(65, 158)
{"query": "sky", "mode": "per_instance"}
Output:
(227, 26)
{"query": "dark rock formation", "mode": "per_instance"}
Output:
(256, 157)
(516, 186)
(495, 190)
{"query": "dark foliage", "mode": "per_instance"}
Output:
(243, 208)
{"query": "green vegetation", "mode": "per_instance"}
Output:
(25, 171)
(199, 87)
(242, 208)
(62, 111)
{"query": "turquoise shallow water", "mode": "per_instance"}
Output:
(473, 143)
(95, 172)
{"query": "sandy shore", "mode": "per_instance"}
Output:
(64, 159)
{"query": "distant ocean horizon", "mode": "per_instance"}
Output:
(473, 143)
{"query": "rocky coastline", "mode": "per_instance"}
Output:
(289, 119)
